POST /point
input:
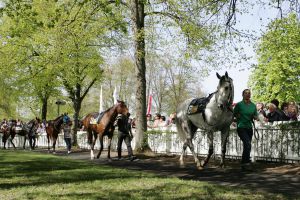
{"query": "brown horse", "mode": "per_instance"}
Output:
(53, 128)
(104, 126)
(28, 131)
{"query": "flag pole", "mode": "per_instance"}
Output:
(101, 101)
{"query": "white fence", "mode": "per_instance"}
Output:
(273, 144)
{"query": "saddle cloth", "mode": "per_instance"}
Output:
(95, 119)
(198, 105)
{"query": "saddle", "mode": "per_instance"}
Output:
(95, 119)
(198, 105)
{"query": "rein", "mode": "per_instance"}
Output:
(256, 134)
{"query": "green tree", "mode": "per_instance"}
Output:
(277, 74)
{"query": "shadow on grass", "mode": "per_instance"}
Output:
(47, 169)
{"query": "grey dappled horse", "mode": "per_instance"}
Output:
(217, 116)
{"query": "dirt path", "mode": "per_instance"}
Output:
(270, 177)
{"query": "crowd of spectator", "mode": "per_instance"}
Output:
(288, 111)
(160, 120)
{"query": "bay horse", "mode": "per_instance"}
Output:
(217, 115)
(27, 130)
(53, 128)
(104, 126)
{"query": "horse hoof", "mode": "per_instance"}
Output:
(92, 158)
(200, 167)
(202, 164)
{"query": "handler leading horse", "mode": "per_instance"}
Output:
(214, 115)
(103, 127)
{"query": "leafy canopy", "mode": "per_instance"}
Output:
(277, 74)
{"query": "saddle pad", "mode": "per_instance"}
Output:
(95, 119)
(198, 105)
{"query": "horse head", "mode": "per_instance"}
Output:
(121, 108)
(225, 92)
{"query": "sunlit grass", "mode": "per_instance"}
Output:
(31, 175)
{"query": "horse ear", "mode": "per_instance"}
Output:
(218, 75)
(226, 74)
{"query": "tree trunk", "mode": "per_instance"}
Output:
(44, 108)
(138, 17)
(77, 106)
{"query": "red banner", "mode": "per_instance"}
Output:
(149, 104)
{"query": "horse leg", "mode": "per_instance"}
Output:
(191, 146)
(34, 142)
(24, 142)
(93, 142)
(210, 139)
(4, 139)
(224, 138)
(181, 161)
(48, 140)
(101, 146)
(108, 148)
(11, 141)
(53, 145)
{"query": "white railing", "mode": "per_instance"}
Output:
(273, 144)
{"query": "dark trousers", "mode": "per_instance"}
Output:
(126, 138)
(68, 143)
(31, 139)
(245, 135)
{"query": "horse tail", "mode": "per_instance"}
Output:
(180, 131)
(181, 119)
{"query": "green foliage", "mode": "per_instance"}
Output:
(277, 74)
(53, 46)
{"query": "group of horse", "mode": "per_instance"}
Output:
(216, 115)
(11, 128)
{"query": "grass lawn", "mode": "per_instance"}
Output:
(31, 175)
